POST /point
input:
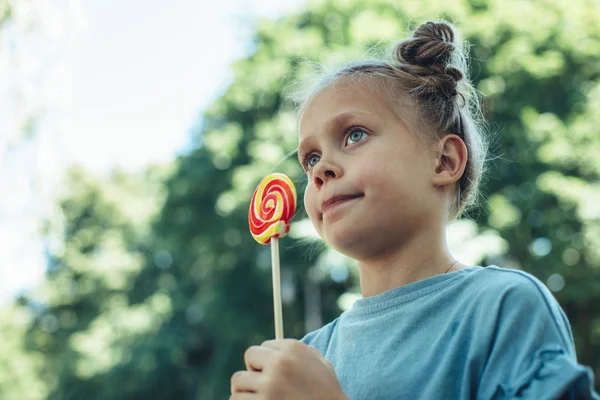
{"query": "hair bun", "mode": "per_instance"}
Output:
(432, 56)
(431, 46)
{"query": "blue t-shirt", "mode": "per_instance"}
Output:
(478, 333)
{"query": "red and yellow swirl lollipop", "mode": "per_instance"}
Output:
(271, 209)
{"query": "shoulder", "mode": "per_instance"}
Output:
(517, 296)
(321, 337)
(495, 281)
(529, 352)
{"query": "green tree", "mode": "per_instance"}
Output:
(5, 11)
(81, 321)
(19, 368)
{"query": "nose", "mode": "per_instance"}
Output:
(325, 171)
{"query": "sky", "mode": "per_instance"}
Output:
(144, 70)
(114, 83)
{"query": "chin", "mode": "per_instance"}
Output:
(345, 241)
(359, 244)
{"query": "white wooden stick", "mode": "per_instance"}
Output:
(276, 289)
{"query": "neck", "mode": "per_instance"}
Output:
(422, 256)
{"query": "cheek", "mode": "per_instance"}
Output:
(310, 203)
(388, 181)
(372, 174)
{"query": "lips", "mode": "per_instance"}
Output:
(332, 201)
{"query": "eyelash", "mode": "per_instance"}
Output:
(304, 156)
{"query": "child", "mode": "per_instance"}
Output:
(393, 150)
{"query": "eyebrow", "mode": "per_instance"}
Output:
(334, 123)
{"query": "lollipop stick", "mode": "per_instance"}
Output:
(276, 289)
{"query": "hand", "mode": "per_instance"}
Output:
(285, 369)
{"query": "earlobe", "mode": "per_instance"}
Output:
(452, 158)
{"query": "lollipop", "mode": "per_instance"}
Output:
(273, 205)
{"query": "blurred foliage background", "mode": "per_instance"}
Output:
(158, 288)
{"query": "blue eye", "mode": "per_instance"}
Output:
(311, 160)
(356, 135)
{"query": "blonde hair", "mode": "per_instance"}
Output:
(431, 68)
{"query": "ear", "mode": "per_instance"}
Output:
(451, 160)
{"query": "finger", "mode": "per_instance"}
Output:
(243, 396)
(315, 351)
(278, 344)
(245, 381)
(256, 357)
(320, 356)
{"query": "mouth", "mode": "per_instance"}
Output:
(336, 200)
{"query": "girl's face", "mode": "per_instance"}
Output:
(370, 187)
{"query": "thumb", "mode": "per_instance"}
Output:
(318, 354)
(314, 350)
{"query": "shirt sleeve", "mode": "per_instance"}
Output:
(531, 354)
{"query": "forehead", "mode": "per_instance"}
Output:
(337, 103)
